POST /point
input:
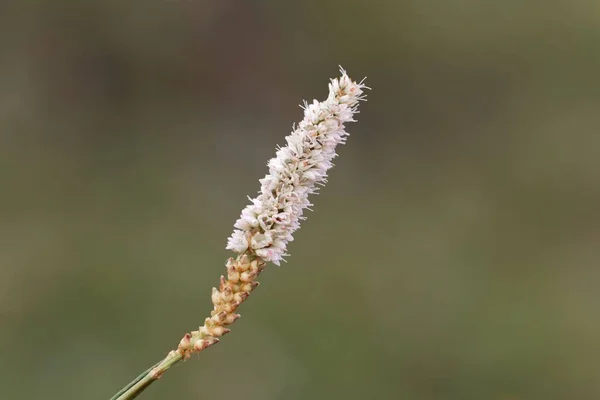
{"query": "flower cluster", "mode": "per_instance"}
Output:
(267, 224)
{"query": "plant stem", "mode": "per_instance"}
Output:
(146, 378)
(133, 382)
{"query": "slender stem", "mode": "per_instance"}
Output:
(133, 382)
(145, 379)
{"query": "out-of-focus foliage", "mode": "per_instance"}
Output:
(454, 254)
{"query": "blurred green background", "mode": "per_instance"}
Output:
(453, 255)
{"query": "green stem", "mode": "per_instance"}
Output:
(146, 378)
(133, 382)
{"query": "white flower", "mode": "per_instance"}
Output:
(266, 226)
(238, 241)
(261, 240)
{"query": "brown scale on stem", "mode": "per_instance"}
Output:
(233, 290)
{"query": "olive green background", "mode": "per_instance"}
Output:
(453, 254)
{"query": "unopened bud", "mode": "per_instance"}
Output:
(201, 344)
(185, 342)
(203, 331)
(219, 317)
(231, 318)
(230, 307)
(241, 267)
(248, 287)
(230, 268)
(233, 276)
(230, 262)
(244, 259)
(227, 294)
(247, 276)
(215, 296)
(254, 266)
(240, 296)
(220, 331)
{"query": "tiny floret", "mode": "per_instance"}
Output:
(265, 226)
(238, 242)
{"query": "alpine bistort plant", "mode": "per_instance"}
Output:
(266, 225)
